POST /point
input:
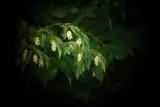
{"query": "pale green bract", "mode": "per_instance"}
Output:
(79, 42)
(37, 41)
(53, 46)
(79, 57)
(35, 58)
(69, 35)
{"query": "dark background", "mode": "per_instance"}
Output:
(139, 90)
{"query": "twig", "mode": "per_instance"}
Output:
(55, 24)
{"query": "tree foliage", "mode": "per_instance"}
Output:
(76, 40)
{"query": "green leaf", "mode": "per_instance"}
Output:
(64, 32)
(58, 40)
(49, 32)
(79, 69)
(103, 62)
(88, 63)
(78, 19)
(132, 39)
(66, 66)
(86, 39)
(88, 56)
(43, 40)
(23, 45)
(59, 45)
(108, 55)
(70, 80)
(102, 59)
(59, 51)
(86, 52)
(75, 30)
(46, 59)
(119, 51)
(27, 60)
(99, 73)
(46, 75)
(65, 50)
(33, 47)
(74, 44)
(48, 39)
